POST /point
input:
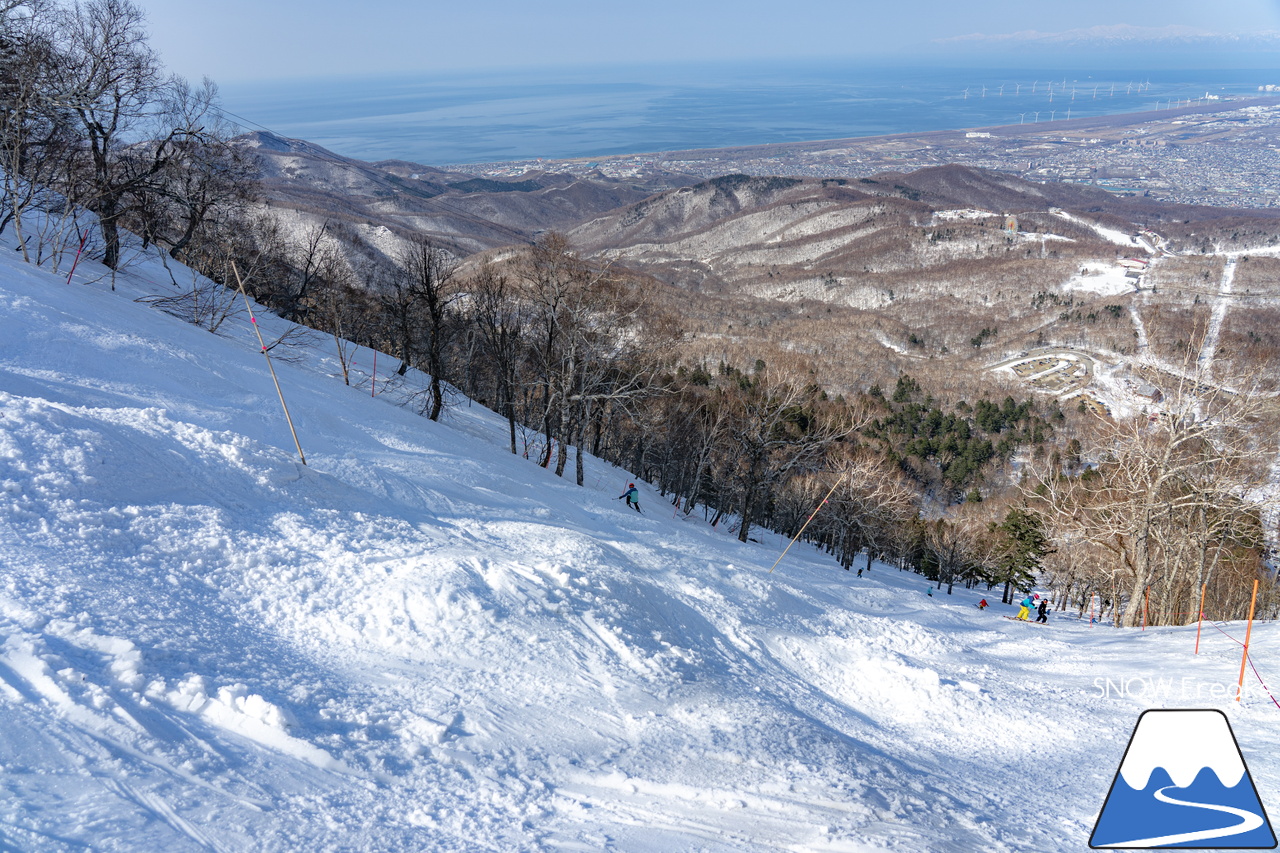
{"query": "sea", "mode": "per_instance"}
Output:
(446, 119)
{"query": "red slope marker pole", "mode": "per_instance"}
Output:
(1200, 617)
(78, 251)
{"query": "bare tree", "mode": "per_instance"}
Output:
(34, 142)
(1174, 494)
(206, 185)
(345, 310)
(314, 261)
(110, 80)
(706, 430)
(554, 279)
(429, 274)
(498, 316)
(874, 499)
(199, 300)
(778, 429)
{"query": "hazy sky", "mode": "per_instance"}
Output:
(240, 40)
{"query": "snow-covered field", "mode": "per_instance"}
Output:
(1103, 278)
(1118, 237)
(420, 642)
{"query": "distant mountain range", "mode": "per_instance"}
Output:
(462, 212)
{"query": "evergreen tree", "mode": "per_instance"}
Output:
(1020, 545)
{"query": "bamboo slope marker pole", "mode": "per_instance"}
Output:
(267, 356)
(806, 523)
(1200, 617)
(1244, 658)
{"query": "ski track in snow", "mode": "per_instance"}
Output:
(1223, 304)
(1109, 234)
(420, 641)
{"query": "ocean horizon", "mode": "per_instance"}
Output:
(440, 120)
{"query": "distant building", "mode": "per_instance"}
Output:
(1148, 392)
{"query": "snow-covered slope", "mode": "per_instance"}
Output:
(421, 642)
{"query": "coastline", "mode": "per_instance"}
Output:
(1112, 120)
(578, 116)
(1135, 154)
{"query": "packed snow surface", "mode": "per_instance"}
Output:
(418, 641)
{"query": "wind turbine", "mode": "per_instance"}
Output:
(1017, 89)
(966, 93)
(1022, 118)
(1034, 83)
(1095, 93)
(1068, 113)
(1002, 90)
(1052, 113)
(984, 91)
(1037, 120)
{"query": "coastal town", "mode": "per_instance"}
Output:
(1217, 153)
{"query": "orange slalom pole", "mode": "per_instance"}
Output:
(806, 524)
(1244, 658)
(1200, 617)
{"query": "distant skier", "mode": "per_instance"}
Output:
(931, 591)
(859, 572)
(1025, 608)
(982, 605)
(1043, 611)
(632, 496)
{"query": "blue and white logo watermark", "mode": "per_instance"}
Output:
(1183, 783)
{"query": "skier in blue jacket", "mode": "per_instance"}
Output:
(632, 496)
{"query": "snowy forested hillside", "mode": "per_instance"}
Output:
(421, 642)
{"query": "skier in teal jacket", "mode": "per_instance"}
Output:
(632, 496)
